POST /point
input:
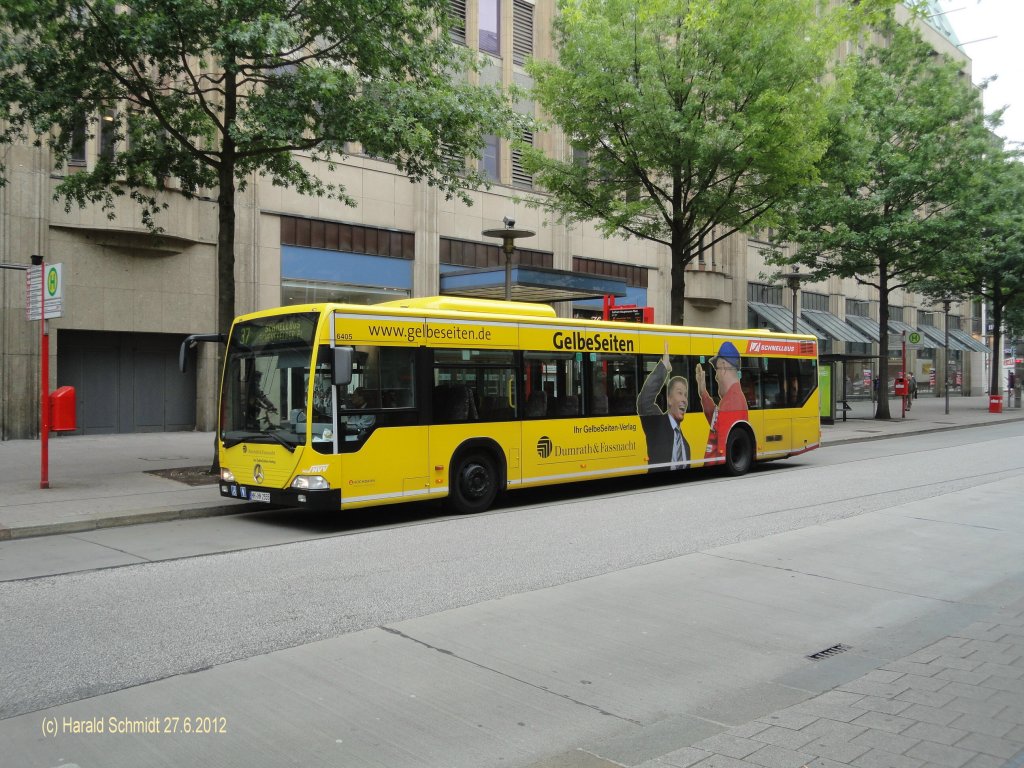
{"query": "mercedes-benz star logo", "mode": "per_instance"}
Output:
(257, 473)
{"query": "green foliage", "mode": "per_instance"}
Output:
(893, 203)
(212, 92)
(697, 117)
(992, 266)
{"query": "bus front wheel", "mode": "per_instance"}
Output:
(474, 484)
(739, 452)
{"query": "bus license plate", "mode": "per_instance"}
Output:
(259, 496)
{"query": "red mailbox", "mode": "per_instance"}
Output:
(62, 410)
(901, 386)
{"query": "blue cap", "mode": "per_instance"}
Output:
(729, 354)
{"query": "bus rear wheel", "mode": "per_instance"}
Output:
(474, 484)
(739, 452)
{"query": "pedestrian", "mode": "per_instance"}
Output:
(913, 386)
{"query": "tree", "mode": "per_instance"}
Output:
(994, 270)
(212, 91)
(893, 205)
(697, 117)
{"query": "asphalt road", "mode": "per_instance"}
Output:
(911, 533)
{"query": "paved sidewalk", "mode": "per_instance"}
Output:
(958, 703)
(102, 481)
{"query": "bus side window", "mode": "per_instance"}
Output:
(750, 382)
(774, 382)
(802, 380)
(473, 385)
(553, 384)
(620, 373)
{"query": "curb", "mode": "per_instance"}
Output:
(137, 518)
(921, 431)
(166, 515)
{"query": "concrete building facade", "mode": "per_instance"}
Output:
(131, 297)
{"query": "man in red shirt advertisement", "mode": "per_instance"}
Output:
(732, 405)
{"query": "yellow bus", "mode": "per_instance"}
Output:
(333, 406)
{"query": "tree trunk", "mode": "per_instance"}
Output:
(882, 411)
(680, 258)
(226, 212)
(225, 237)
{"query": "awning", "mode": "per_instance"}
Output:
(968, 341)
(833, 326)
(870, 328)
(781, 319)
(934, 338)
(534, 284)
(898, 327)
(865, 325)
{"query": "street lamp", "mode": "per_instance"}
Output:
(508, 237)
(945, 355)
(793, 283)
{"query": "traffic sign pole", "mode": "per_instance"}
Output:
(44, 376)
(906, 378)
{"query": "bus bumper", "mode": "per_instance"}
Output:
(283, 497)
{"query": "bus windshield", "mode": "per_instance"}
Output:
(267, 379)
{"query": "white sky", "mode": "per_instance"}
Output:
(1003, 55)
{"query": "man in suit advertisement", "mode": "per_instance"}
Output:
(666, 445)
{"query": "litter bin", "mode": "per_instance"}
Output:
(62, 410)
(995, 404)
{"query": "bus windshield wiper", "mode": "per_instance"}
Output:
(279, 439)
(243, 437)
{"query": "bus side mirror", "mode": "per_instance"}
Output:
(342, 375)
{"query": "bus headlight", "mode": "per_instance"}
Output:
(227, 475)
(310, 483)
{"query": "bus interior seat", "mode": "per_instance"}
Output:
(496, 408)
(537, 404)
(454, 403)
(568, 406)
(622, 402)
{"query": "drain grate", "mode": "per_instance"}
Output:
(828, 652)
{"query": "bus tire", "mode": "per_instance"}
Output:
(739, 452)
(474, 484)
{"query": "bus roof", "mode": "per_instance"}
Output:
(530, 313)
(477, 306)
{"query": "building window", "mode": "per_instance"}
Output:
(858, 308)
(108, 134)
(472, 255)
(522, 31)
(77, 150)
(457, 10)
(489, 162)
(520, 178)
(331, 261)
(764, 293)
(299, 291)
(816, 301)
(490, 27)
(896, 313)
